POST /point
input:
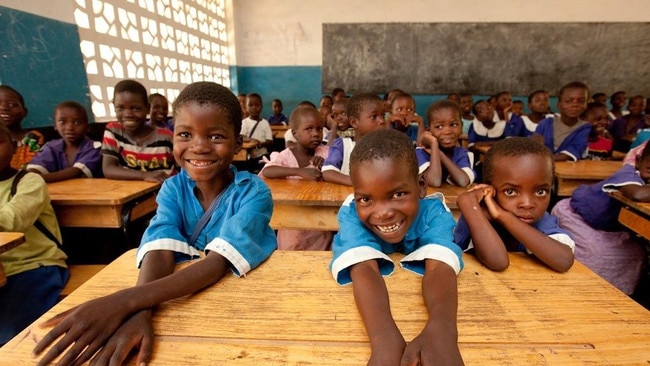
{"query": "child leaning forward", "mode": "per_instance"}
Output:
(236, 235)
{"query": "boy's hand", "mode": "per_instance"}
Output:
(494, 209)
(437, 348)
(428, 141)
(400, 122)
(331, 122)
(135, 333)
(390, 352)
(419, 120)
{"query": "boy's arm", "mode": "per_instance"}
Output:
(433, 173)
(92, 323)
(556, 255)
(636, 193)
(488, 245)
(336, 177)
(437, 344)
(112, 170)
(371, 296)
(457, 175)
(64, 174)
(276, 171)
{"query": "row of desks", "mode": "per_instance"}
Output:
(290, 311)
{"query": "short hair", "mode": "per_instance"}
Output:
(213, 94)
(131, 86)
(253, 95)
(156, 95)
(476, 104)
(353, 108)
(517, 102)
(533, 94)
(20, 97)
(512, 147)
(590, 107)
(385, 144)
(327, 97)
(306, 103)
(598, 95)
(337, 90)
(298, 113)
(443, 104)
(616, 94)
(277, 101)
(499, 94)
(573, 85)
(402, 95)
(73, 105)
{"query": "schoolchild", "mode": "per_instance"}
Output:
(338, 122)
(131, 149)
(502, 106)
(441, 159)
(466, 103)
(12, 112)
(600, 144)
(617, 101)
(404, 118)
(277, 118)
(625, 129)
(326, 101)
(525, 125)
(74, 155)
(389, 213)
(508, 212)
(485, 130)
(159, 112)
(257, 130)
(236, 236)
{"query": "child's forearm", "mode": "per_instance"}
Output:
(488, 245)
(333, 176)
(279, 172)
(458, 175)
(65, 174)
(556, 255)
(434, 171)
(636, 193)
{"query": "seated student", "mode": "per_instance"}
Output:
(508, 212)
(617, 101)
(566, 135)
(257, 130)
(502, 106)
(525, 125)
(440, 158)
(454, 97)
(625, 129)
(326, 101)
(484, 130)
(290, 140)
(159, 111)
(74, 155)
(302, 161)
(388, 101)
(338, 122)
(235, 208)
(600, 145)
(277, 118)
(517, 108)
(131, 149)
(599, 98)
(13, 111)
(242, 103)
(338, 94)
(591, 217)
(466, 103)
(36, 270)
(365, 114)
(403, 117)
(389, 213)
(643, 134)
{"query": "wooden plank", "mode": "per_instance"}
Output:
(635, 222)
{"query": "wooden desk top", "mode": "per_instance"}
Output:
(290, 311)
(10, 240)
(586, 169)
(642, 207)
(98, 191)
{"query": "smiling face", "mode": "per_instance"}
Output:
(387, 197)
(159, 110)
(253, 107)
(204, 142)
(523, 185)
(71, 125)
(131, 110)
(573, 102)
(339, 115)
(539, 103)
(12, 111)
(446, 126)
(598, 118)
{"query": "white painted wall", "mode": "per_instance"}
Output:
(289, 32)
(62, 10)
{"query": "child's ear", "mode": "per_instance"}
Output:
(293, 133)
(422, 185)
(353, 122)
(239, 140)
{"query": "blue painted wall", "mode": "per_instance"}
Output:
(40, 58)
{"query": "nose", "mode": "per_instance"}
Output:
(383, 211)
(526, 202)
(200, 145)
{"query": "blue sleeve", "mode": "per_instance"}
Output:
(424, 159)
(335, 157)
(353, 244)
(545, 129)
(471, 135)
(89, 159)
(46, 158)
(576, 143)
(515, 127)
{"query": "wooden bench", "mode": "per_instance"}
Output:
(79, 274)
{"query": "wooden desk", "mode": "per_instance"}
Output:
(302, 204)
(279, 131)
(289, 311)
(634, 215)
(569, 175)
(244, 153)
(100, 202)
(8, 241)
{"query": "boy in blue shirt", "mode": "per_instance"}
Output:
(389, 213)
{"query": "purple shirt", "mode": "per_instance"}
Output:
(459, 155)
(52, 158)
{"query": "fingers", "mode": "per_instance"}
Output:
(146, 348)
(57, 318)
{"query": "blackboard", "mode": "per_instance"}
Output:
(41, 58)
(485, 58)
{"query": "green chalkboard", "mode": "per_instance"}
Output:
(485, 58)
(40, 58)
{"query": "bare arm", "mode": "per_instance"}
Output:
(458, 176)
(371, 296)
(64, 174)
(433, 173)
(283, 172)
(437, 344)
(636, 193)
(337, 177)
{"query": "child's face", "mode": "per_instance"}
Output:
(619, 100)
(339, 115)
(642, 165)
(6, 151)
(523, 185)
(539, 103)
(387, 197)
(446, 126)
(466, 103)
(454, 98)
(517, 108)
(599, 119)
(503, 101)
(159, 110)
(636, 106)
(131, 110)
(484, 112)
(602, 99)
(370, 119)
(405, 107)
(71, 125)
(324, 112)
(572, 102)
(338, 96)
(204, 142)
(242, 103)
(12, 112)
(277, 108)
(310, 131)
(254, 107)
(325, 102)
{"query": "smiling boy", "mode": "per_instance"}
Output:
(389, 213)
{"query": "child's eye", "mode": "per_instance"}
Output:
(509, 192)
(454, 124)
(216, 138)
(543, 192)
(399, 194)
(363, 201)
(78, 123)
(183, 135)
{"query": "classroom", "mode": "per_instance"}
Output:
(534, 312)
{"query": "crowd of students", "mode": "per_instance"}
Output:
(382, 148)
